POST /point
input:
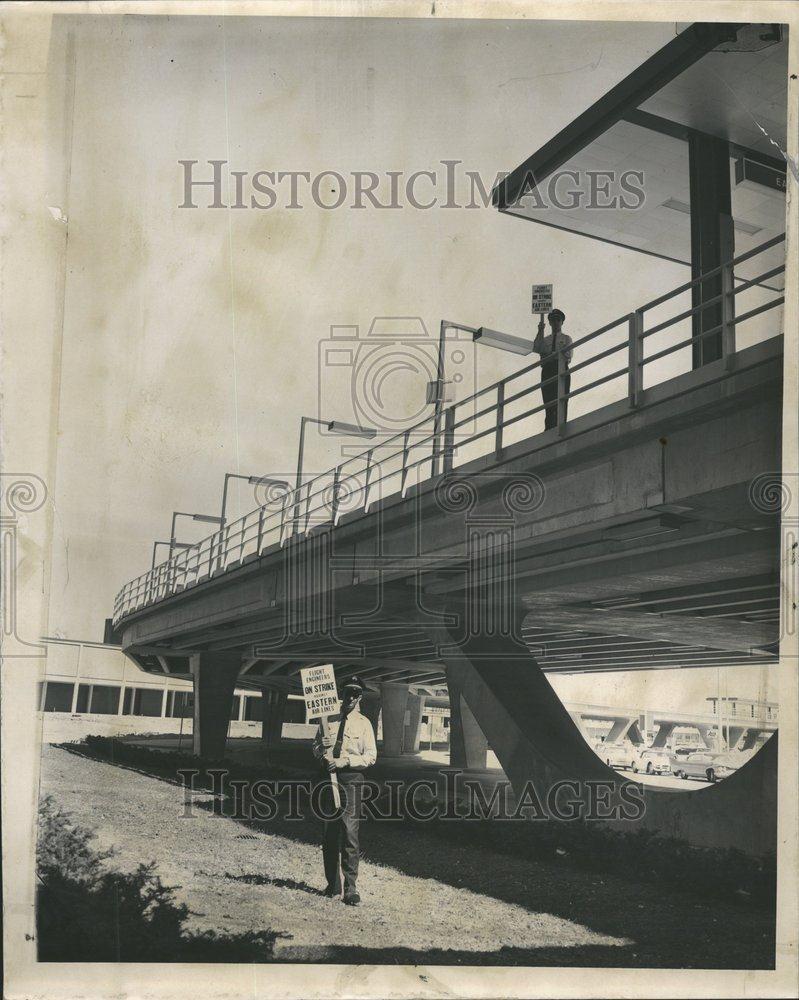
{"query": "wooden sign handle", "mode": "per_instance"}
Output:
(333, 775)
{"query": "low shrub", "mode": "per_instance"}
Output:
(89, 912)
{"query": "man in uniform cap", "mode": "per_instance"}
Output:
(348, 750)
(549, 347)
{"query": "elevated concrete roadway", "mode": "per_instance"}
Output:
(632, 538)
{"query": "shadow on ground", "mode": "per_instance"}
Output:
(669, 927)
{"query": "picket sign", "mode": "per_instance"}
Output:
(542, 298)
(321, 700)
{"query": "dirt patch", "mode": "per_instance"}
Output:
(422, 899)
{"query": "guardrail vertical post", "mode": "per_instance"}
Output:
(500, 419)
(635, 371)
(434, 458)
(260, 538)
(334, 504)
(366, 484)
(449, 437)
(405, 440)
(727, 314)
(563, 399)
(308, 507)
(223, 537)
(283, 505)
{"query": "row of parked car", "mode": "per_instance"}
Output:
(683, 762)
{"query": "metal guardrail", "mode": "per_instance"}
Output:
(485, 423)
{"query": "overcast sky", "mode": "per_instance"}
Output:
(191, 336)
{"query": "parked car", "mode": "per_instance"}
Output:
(617, 755)
(652, 760)
(728, 763)
(700, 764)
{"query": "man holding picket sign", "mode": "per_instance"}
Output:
(345, 745)
(556, 355)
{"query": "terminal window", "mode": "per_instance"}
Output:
(180, 704)
(254, 709)
(57, 696)
(142, 701)
(98, 699)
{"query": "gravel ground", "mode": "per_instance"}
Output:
(423, 900)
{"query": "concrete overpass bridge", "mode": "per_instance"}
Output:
(641, 532)
(742, 734)
(631, 724)
(640, 535)
(627, 540)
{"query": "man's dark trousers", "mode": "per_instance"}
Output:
(340, 844)
(549, 391)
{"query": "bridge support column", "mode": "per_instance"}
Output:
(634, 734)
(704, 733)
(663, 734)
(734, 733)
(712, 237)
(540, 748)
(274, 711)
(370, 707)
(394, 697)
(468, 746)
(510, 705)
(749, 739)
(413, 730)
(215, 677)
(620, 729)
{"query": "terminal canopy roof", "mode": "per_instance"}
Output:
(724, 80)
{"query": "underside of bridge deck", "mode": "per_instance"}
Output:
(646, 540)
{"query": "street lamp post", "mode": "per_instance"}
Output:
(480, 335)
(253, 481)
(176, 545)
(173, 542)
(206, 518)
(335, 427)
(173, 545)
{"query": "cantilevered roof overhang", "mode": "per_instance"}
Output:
(650, 77)
(727, 81)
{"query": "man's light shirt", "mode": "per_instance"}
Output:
(358, 747)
